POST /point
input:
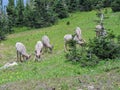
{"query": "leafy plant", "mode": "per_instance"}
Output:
(73, 54)
(81, 55)
(102, 47)
(105, 47)
(89, 59)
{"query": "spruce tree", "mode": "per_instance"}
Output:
(61, 9)
(29, 16)
(11, 13)
(44, 14)
(73, 5)
(20, 13)
(85, 5)
(2, 32)
(115, 5)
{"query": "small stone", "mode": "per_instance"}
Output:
(90, 87)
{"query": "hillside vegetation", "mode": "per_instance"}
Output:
(54, 71)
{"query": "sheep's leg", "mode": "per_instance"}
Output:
(20, 57)
(45, 49)
(17, 56)
(96, 34)
(65, 47)
(35, 56)
(50, 49)
(23, 57)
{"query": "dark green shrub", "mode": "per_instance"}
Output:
(81, 55)
(98, 48)
(73, 54)
(72, 5)
(115, 5)
(105, 47)
(5, 26)
(89, 59)
(61, 9)
(2, 35)
(85, 5)
(106, 3)
(118, 39)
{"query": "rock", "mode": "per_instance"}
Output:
(91, 87)
(9, 64)
(80, 89)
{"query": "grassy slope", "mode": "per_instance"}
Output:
(54, 70)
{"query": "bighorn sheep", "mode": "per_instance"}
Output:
(78, 33)
(38, 49)
(46, 43)
(21, 51)
(100, 30)
(77, 37)
(69, 37)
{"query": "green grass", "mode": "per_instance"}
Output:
(54, 70)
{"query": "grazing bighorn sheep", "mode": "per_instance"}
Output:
(77, 37)
(69, 37)
(78, 33)
(38, 49)
(21, 51)
(46, 43)
(100, 30)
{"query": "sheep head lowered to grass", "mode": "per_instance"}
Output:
(21, 51)
(46, 43)
(76, 37)
(69, 37)
(38, 50)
